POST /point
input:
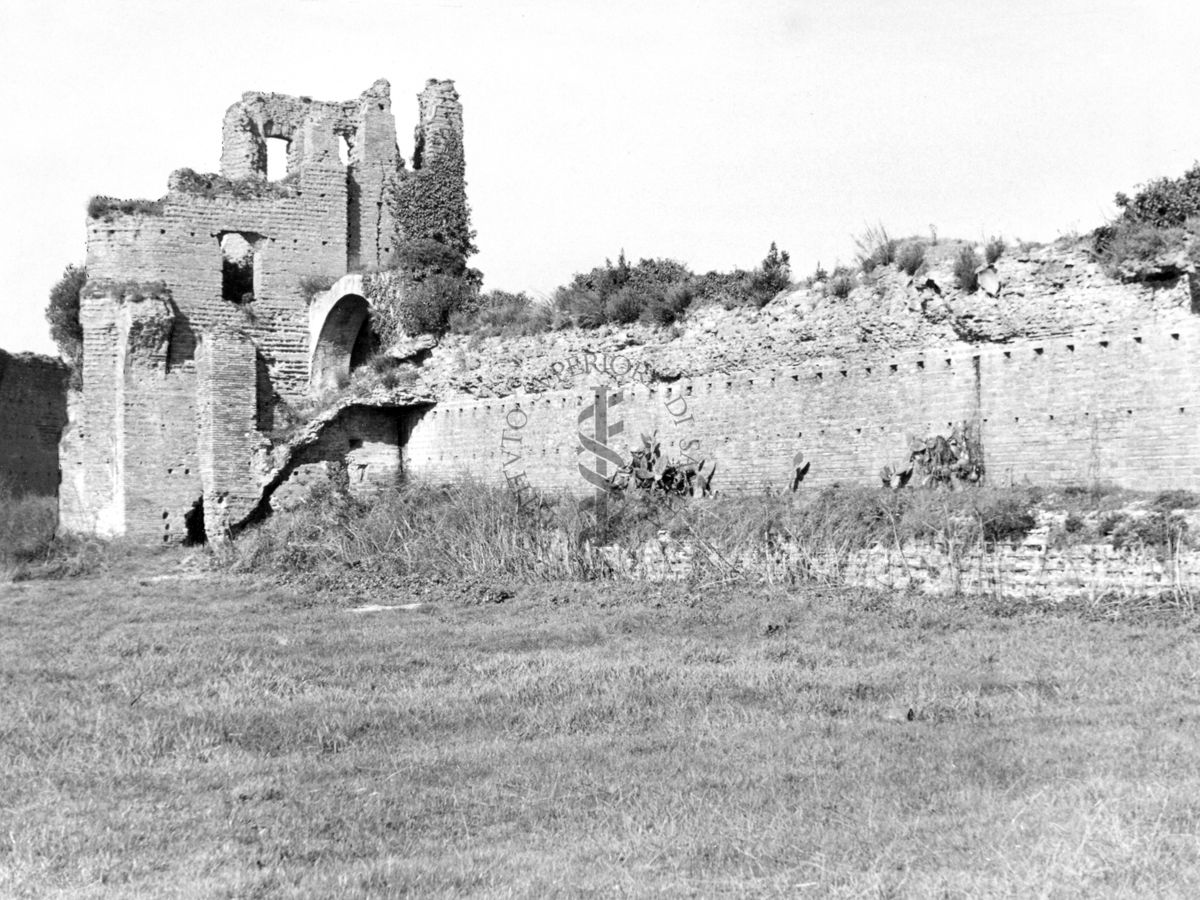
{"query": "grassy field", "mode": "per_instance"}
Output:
(170, 732)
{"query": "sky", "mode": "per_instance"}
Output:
(700, 131)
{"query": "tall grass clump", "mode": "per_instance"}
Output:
(910, 257)
(965, 265)
(994, 249)
(441, 534)
(876, 248)
(29, 547)
(27, 525)
(841, 282)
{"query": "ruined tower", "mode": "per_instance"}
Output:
(208, 314)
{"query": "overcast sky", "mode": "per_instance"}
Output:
(700, 131)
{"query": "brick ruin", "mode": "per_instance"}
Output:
(33, 412)
(203, 331)
(200, 327)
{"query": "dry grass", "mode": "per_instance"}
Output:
(231, 738)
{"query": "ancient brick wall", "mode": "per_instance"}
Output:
(1092, 407)
(129, 460)
(362, 445)
(226, 422)
(33, 413)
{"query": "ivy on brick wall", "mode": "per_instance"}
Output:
(431, 202)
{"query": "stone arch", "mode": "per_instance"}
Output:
(339, 334)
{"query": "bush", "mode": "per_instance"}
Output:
(772, 276)
(62, 313)
(910, 257)
(841, 282)
(623, 307)
(1006, 516)
(424, 256)
(965, 265)
(994, 250)
(1165, 202)
(875, 248)
(503, 314)
(671, 307)
(1175, 499)
(1129, 246)
(655, 290)
(426, 306)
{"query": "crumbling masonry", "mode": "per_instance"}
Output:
(201, 324)
(209, 321)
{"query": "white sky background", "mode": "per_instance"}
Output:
(700, 131)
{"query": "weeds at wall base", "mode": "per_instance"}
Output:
(471, 538)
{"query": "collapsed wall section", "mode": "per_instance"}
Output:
(33, 413)
(1072, 410)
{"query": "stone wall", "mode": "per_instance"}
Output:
(362, 446)
(1029, 570)
(33, 413)
(1092, 407)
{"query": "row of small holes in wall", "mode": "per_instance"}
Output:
(1103, 345)
(844, 373)
(1087, 415)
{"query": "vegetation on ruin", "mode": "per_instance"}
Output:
(691, 739)
(656, 292)
(1154, 231)
(128, 290)
(211, 185)
(965, 266)
(910, 256)
(425, 284)
(62, 313)
(875, 248)
(429, 203)
(312, 285)
(994, 249)
(445, 532)
(100, 207)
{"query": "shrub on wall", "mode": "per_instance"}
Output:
(773, 275)
(425, 285)
(965, 265)
(63, 315)
(875, 248)
(910, 257)
(841, 282)
(656, 291)
(1165, 201)
(503, 314)
(1153, 224)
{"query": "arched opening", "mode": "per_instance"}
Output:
(343, 345)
